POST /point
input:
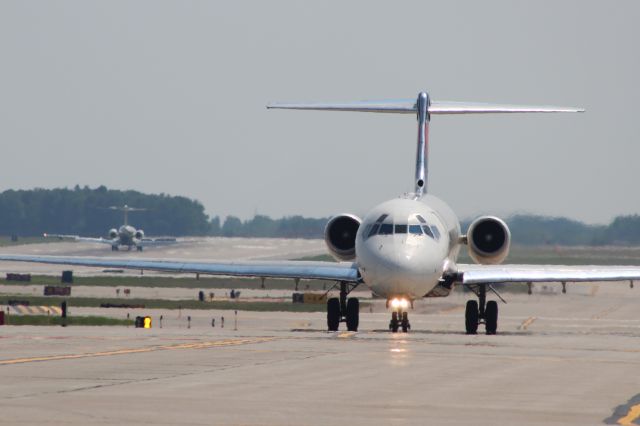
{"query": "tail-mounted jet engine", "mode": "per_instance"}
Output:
(340, 236)
(139, 234)
(488, 240)
(113, 233)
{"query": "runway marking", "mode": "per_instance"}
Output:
(625, 414)
(631, 417)
(198, 345)
(36, 310)
(605, 312)
(526, 323)
(346, 334)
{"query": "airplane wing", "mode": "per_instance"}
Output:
(330, 271)
(492, 274)
(79, 238)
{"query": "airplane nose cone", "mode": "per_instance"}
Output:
(406, 271)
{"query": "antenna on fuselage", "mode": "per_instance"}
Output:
(423, 107)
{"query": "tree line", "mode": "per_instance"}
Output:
(84, 211)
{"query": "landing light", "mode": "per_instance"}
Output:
(399, 303)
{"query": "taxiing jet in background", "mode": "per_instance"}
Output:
(125, 236)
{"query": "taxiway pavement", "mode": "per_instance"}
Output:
(559, 360)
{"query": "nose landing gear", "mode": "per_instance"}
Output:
(481, 312)
(399, 320)
(399, 317)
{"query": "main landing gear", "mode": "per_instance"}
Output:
(114, 248)
(481, 311)
(343, 310)
(399, 316)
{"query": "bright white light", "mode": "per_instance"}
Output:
(399, 303)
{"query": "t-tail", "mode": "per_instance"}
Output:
(423, 107)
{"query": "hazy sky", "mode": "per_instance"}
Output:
(169, 97)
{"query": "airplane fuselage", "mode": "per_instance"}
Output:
(405, 245)
(127, 235)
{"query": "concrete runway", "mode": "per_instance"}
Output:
(559, 360)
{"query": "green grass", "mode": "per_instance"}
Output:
(553, 255)
(6, 240)
(71, 320)
(92, 302)
(204, 283)
(563, 255)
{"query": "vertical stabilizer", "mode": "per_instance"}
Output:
(422, 156)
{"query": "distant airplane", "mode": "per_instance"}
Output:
(404, 249)
(125, 236)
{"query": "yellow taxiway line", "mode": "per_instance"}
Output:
(199, 345)
(631, 417)
(526, 323)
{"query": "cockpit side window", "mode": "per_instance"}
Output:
(374, 228)
(436, 232)
(421, 219)
(427, 230)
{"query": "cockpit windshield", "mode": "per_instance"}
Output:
(416, 225)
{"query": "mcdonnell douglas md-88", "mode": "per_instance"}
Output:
(125, 236)
(403, 249)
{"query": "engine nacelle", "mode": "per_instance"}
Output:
(340, 236)
(139, 234)
(488, 240)
(113, 233)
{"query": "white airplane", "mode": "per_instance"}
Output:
(125, 236)
(403, 249)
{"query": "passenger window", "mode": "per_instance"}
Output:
(386, 229)
(401, 229)
(415, 229)
(427, 230)
(374, 230)
(436, 232)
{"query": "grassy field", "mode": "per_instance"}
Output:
(71, 320)
(6, 240)
(556, 255)
(93, 302)
(172, 282)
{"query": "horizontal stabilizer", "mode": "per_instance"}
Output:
(409, 106)
(402, 106)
